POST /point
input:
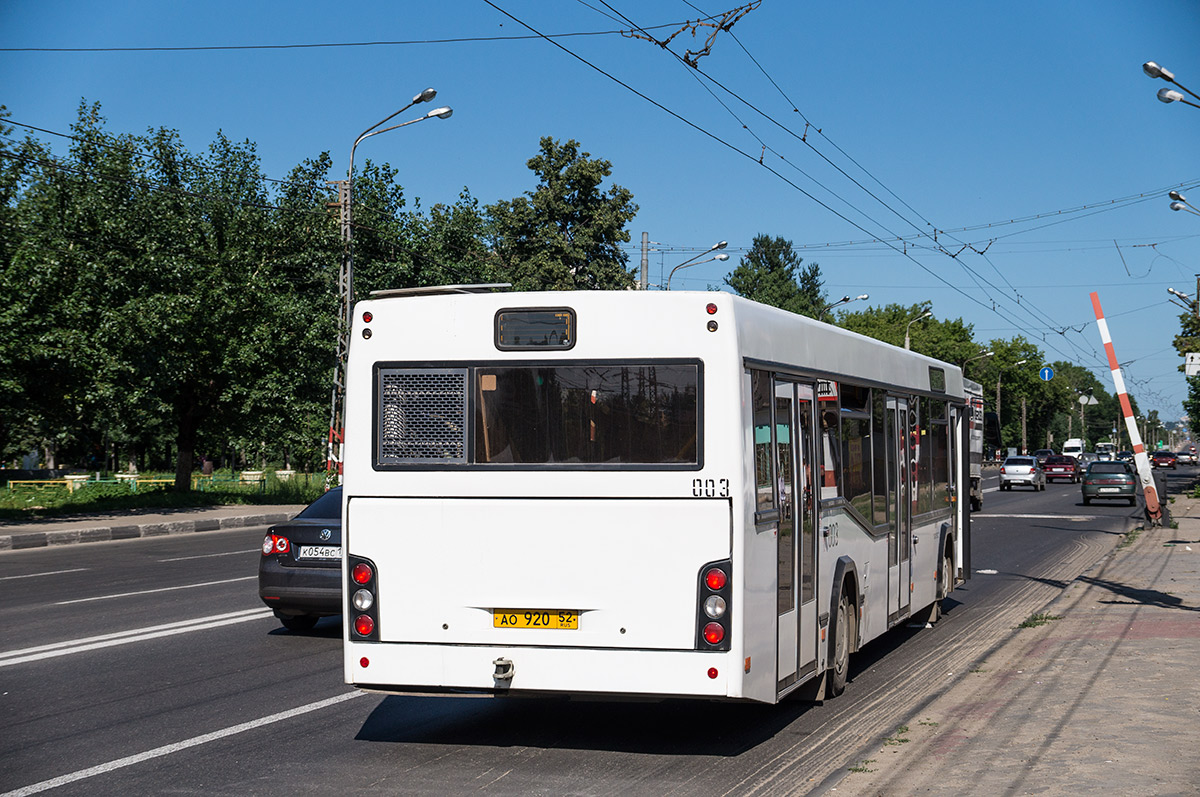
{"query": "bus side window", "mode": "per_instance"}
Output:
(764, 483)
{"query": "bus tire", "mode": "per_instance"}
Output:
(839, 667)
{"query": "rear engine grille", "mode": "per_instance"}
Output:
(422, 416)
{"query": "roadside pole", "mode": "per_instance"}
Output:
(1149, 491)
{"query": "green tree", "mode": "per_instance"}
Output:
(948, 340)
(567, 233)
(772, 273)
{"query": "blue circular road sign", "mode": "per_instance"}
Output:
(1047, 373)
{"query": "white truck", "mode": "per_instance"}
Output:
(1074, 447)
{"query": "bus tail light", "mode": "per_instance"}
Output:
(364, 601)
(713, 603)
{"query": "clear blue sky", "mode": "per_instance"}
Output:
(957, 115)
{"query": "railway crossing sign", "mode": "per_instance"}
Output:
(1047, 373)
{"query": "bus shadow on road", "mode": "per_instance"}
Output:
(674, 727)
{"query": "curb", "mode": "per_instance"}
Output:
(42, 539)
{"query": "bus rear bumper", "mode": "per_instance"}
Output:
(395, 667)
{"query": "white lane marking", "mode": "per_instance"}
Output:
(68, 647)
(210, 555)
(51, 573)
(152, 591)
(1075, 518)
(987, 572)
(195, 741)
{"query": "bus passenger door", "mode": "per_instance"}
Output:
(797, 541)
(786, 593)
(900, 523)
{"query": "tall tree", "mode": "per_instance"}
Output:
(949, 340)
(772, 273)
(567, 233)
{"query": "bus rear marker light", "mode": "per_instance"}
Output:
(363, 625)
(712, 672)
(711, 309)
(367, 317)
(714, 633)
(715, 579)
(712, 326)
(364, 662)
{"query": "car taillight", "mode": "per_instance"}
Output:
(1002, 469)
(275, 543)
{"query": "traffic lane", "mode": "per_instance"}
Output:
(53, 594)
(438, 744)
(79, 710)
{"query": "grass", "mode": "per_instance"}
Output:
(898, 737)
(862, 767)
(1041, 618)
(1129, 539)
(28, 504)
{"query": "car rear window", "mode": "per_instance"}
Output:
(327, 507)
(1108, 467)
(1060, 461)
(1019, 461)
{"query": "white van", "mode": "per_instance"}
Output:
(1073, 447)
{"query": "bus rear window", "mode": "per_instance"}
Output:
(598, 414)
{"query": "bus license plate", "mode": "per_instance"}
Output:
(536, 618)
(320, 552)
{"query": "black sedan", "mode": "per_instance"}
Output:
(300, 572)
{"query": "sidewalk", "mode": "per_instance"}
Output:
(1104, 698)
(132, 523)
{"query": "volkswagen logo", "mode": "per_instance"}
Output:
(325, 535)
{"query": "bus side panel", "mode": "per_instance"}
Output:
(630, 567)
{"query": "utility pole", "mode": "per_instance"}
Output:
(1024, 438)
(333, 451)
(645, 260)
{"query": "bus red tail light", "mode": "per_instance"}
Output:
(364, 601)
(714, 604)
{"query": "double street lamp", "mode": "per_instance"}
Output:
(1153, 70)
(695, 261)
(1180, 203)
(862, 297)
(346, 277)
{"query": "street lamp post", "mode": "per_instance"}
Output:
(862, 297)
(923, 315)
(695, 261)
(346, 276)
(1153, 70)
(999, 420)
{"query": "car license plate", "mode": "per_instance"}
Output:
(535, 618)
(320, 552)
(1110, 489)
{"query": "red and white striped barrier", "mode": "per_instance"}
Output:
(1139, 450)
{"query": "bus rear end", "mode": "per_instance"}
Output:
(528, 509)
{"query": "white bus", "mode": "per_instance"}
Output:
(637, 494)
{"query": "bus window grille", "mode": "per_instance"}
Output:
(422, 416)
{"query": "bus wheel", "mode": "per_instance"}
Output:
(839, 671)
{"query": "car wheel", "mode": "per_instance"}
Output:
(298, 622)
(839, 670)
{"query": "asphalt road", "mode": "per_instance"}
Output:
(150, 666)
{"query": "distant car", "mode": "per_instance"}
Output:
(300, 571)
(1185, 457)
(1022, 471)
(1062, 468)
(1087, 458)
(1042, 454)
(1109, 480)
(1163, 459)
(1125, 456)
